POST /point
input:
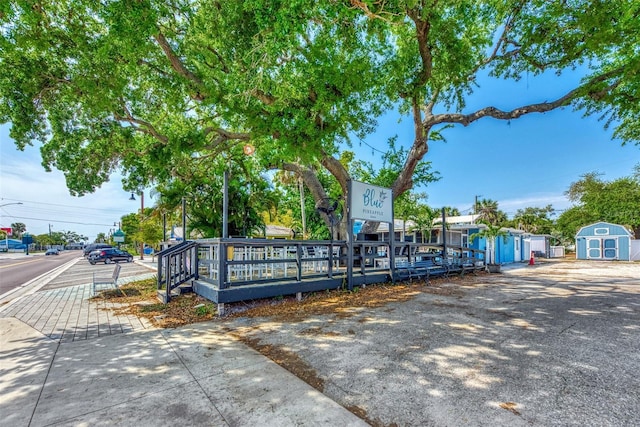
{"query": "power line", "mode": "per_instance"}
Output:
(59, 205)
(62, 222)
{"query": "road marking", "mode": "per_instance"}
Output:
(19, 263)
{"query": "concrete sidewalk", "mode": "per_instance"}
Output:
(65, 360)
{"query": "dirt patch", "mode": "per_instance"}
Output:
(511, 407)
(287, 359)
(139, 299)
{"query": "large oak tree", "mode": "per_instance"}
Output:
(135, 85)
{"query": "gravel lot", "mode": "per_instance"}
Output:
(551, 344)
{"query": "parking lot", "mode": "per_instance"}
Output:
(551, 344)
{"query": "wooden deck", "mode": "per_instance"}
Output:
(232, 270)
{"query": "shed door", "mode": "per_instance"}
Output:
(602, 248)
(609, 248)
(593, 249)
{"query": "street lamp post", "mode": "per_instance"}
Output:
(184, 219)
(133, 197)
(6, 235)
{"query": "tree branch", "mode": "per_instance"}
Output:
(336, 169)
(359, 4)
(422, 36)
(265, 98)
(178, 66)
(225, 68)
(308, 176)
(141, 125)
(419, 149)
(227, 135)
(588, 89)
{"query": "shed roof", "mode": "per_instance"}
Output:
(606, 224)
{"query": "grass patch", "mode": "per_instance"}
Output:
(152, 307)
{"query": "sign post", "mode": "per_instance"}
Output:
(370, 203)
(118, 237)
(27, 239)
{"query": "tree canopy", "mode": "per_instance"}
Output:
(595, 199)
(534, 220)
(142, 87)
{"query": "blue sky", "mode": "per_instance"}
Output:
(530, 161)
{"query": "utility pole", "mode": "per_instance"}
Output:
(475, 206)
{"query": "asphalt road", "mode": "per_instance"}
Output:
(18, 269)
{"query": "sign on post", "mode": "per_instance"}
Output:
(7, 230)
(371, 203)
(118, 236)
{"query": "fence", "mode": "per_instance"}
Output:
(230, 270)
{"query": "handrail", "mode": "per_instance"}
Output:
(177, 265)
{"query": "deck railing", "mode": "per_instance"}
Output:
(176, 265)
(235, 262)
(228, 270)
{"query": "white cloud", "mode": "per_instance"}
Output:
(46, 200)
(558, 201)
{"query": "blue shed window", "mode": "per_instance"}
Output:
(600, 231)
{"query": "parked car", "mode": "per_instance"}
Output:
(94, 247)
(109, 255)
(52, 251)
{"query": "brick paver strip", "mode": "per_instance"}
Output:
(66, 314)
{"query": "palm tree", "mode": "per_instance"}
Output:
(450, 211)
(18, 228)
(423, 220)
(489, 213)
(491, 233)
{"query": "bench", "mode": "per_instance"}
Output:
(113, 280)
(423, 269)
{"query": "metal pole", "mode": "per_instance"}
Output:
(164, 229)
(141, 217)
(304, 216)
(392, 238)
(349, 237)
(184, 219)
(444, 236)
(225, 206)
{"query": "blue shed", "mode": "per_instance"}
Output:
(507, 248)
(603, 241)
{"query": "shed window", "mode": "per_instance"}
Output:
(601, 231)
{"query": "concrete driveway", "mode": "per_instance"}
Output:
(551, 344)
